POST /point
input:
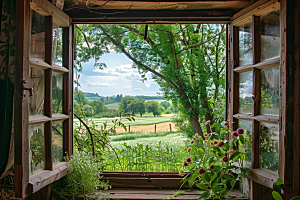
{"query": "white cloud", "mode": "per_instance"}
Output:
(97, 84)
(124, 70)
(135, 89)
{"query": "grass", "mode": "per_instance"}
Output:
(113, 106)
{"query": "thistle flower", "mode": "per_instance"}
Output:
(221, 143)
(226, 124)
(234, 134)
(192, 142)
(197, 135)
(201, 171)
(185, 164)
(229, 171)
(240, 131)
(211, 167)
(208, 122)
(215, 142)
(189, 159)
(189, 149)
(225, 159)
(205, 134)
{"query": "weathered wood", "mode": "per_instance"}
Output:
(58, 117)
(255, 144)
(263, 177)
(46, 8)
(269, 63)
(255, 191)
(48, 39)
(38, 119)
(108, 174)
(43, 65)
(48, 93)
(256, 50)
(48, 146)
(256, 92)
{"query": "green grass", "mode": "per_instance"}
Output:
(133, 136)
(112, 106)
(139, 121)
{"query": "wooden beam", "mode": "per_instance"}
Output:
(48, 39)
(43, 65)
(269, 63)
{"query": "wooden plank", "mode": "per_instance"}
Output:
(163, 21)
(21, 162)
(259, 8)
(269, 63)
(48, 146)
(256, 191)
(267, 118)
(256, 39)
(48, 93)
(46, 177)
(58, 117)
(255, 144)
(108, 174)
(226, 76)
(43, 65)
(263, 177)
(46, 8)
(38, 119)
(256, 92)
(48, 40)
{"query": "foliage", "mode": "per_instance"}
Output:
(211, 163)
(165, 104)
(154, 107)
(277, 186)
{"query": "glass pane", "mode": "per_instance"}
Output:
(270, 91)
(37, 48)
(37, 82)
(245, 92)
(245, 44)
(268, 146)
(57, 142)
(57, 93)
(37, 151)
(57, 45)
(270, 35)
(247, 146)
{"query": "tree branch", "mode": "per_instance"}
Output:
(85, 38)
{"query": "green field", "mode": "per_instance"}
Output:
(139, 121)
(113, 106)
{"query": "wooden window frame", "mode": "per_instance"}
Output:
(253, 13)
(26, 184)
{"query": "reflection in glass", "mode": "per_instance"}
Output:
(270, 91)
(37, 48)
(247, 146)
(37, 151)
(57, 142)
(270, 35)
(245, 44)
(57, 45)
(268, 146)
(57, 93)
(245, 92)
(37, 82)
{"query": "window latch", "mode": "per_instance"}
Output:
(25, 88)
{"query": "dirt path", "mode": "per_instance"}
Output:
(162, 127)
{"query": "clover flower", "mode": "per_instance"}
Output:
(221, 143)
(201, 171)
(205, 134)
(197, 135)
(234, 134)
(189, 149)
(185, 164)
(215, 142)
(240, 131)
(211, 167)
(192, 142)
(229, 171)
(189, 159)
(225, 159)
(226, 124)
(208, 122)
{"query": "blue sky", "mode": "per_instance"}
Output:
(118, 78)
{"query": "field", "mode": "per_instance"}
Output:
(113, 106)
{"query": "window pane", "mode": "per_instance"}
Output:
(57, 142)
(57, 93)
(37, 48)
(270, 35)
(245, 44)
(37, 82)
(268, 146)
(37, 151)
(247, 146)
(270, 91)
(245, 92)
(57, 45)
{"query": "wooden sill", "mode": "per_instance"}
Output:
(46, 177)
(263, 177)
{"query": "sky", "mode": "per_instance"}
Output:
(118, 78)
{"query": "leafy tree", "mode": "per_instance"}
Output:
(126, 105)
(140, 106)
(79, 97)
(165, 104)
(154, 107)
(97, 107)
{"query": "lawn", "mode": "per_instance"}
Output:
(113, 106)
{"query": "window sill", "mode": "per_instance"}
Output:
(263, 177)
(46, 177)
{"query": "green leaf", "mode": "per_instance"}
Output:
(232, 183)
(213, 177)
(226, 176)
(205, 195)
(201, 186)
(296, 198)
(279, 181)
(234, 155)
(276, 195)
(205, 177)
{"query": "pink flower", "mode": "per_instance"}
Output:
(192, 142)
(221, 143)
(226, 124)
(189, 149)
(205, 134)
(240, 131)
(185, 164)
(225, 159)
(189, 159)
(201, 171)
(215, 142)
(208, 122)
(232, 151)
(229, 171)
(211, 167)
(204, 142)
(234, 134)
(197, 135)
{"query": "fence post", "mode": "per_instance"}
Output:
(170, 127)
(155, 128)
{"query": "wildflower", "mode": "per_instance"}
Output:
(208, 122)
(240, 131)
(192, 142)
(234, 134)
(205, 134)
(189, 149)
(185, 164)
(197, 135)
(201, 171)
(225, 159)
(232, 151)
(211, 167)
(226, 124)
(212, 145)
(189, 159)
(229, 171)
(215, 142)
(221, 143)
(204, 142)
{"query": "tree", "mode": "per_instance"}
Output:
(154, 107)
(165, 104)
(126, 105)
(140, 106)
(97, 107)
(79, 97)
